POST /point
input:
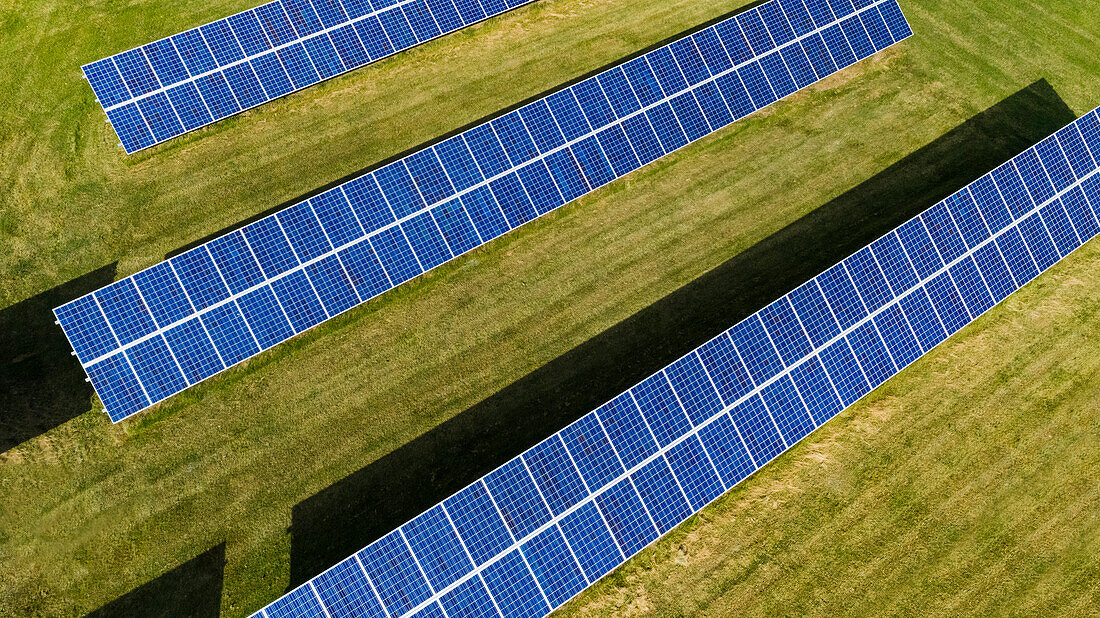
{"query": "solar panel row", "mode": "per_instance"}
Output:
(161, 330)
(536, 531)
(178, 84)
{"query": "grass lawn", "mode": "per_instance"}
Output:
(966, 483)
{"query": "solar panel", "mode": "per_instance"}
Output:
(541, 528)
(186, 81)
(244, 292)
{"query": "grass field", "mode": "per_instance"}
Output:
(965, 484)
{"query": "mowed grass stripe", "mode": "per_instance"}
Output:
(92, 511)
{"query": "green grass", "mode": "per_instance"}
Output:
(90, 510)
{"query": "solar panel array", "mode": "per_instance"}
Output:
(178, 84)
(161, 330)
(536, 531)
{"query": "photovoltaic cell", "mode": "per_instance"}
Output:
(322, 256)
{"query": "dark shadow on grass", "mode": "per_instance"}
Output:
(191, 590)
(452, 133)
(369, 503)
(41, 383)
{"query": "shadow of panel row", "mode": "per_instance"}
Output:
(191, 590)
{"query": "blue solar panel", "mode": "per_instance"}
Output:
(570, 509)
(857, 37)
(898, 336)
(1034, 175)
(661, 409)
(394, 223)
(194, 351)
(819, 395)
(1016, 254)
(944, 232)
(758, 430)
(557, 479)
(597, 171)
(756, 349)
(552, 562)
(426, 240)
(995, 271)
(432, 610)
(540, 187)
(972, 286)
(333, 285)
(947, 302)
(799, 65)
(1077, 208)
(922, 318)
(694, 389)
(838, 46)
(787, 410)
(697, 476)
(753, 27)
(785, 330)
(478, 522)
(627, 519)
(397, 29)
(690, 116)
(231, 335)
(266, 318)
(156, 367)
(840, 292)
(667, 127)
(1060, 228)
(514, 589)
(877, 29)
(125, 310)
(470, 599)
(299, 301)
(869, 279)
(591, 450)
(301, 602)
(312, 40)
(589, 537)
(117, 385)
(814, 313)
(435, 544)
(778, 76)
(661, 495)
(618, 150)
(627, 430)
(848, 379)
(871, 353)
(994, 212)
(517, 497)
(1038, 241)
(345, 591)
(396, 576)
